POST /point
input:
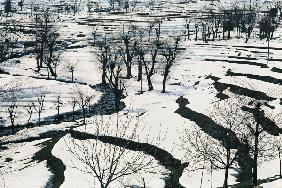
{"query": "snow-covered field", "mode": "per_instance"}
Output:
(150, 117)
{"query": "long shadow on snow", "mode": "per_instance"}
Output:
(165, 158)
(268, 79)
(57, 167)
(220, 133)
(220, 87)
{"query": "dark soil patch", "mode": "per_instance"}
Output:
(222, 96)
(241, 57)
(240, 62)
(8, 159)
(268, 79)
(258, 95)
(3, 147)
(259, 47)
(3, 72)
(55, 164)
(214, 78)
(275, 69)
(81, 35)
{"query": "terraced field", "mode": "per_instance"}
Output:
(148, 127)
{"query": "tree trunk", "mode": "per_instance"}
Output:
(39, 118)
(103, 186)
(128, 71)
(255, 167)
(12, 122)
(196, 38)
(148, 75)
(38, 64)
(268, 50)
(84, 114)
(202, 177)
(58, 113)
(51, 69)
(117, 97)
(72, 76)
(150, 85)
(104, 73)
(280, 165)
(164, 81)
(225, 184)
(73, 114)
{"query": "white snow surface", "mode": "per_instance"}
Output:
(158, 120)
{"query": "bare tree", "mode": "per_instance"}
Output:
(7, 41)
(29, 109)
(40, 42)
(108, 162)
(12, 107)
(151, 4)
(104, 57)
(21, 4)
(229, 115)
(140, 68)
(89, 6)
(278, 149)
(205, 150)
(258, 136)
(7, 7)
(133, 4)
(187, 26)
(9, 95)
(150, 65)
(52, 58)
(94, 34)
(4, 49)
(74, 104)
(39, 107)
(153, 51)
(75, 7)
(82, 97)
(59, 104)
(169, 53)
(112, 4)
(196, 31)
(46, 42)
(128, 51)
(55, 63)
(115, 82)
(71, 67)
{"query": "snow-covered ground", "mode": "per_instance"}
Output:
(159, 124)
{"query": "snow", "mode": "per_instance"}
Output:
(34, 176)
(21, 171)
(274, 184)
(159, 119)
(75, 169)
